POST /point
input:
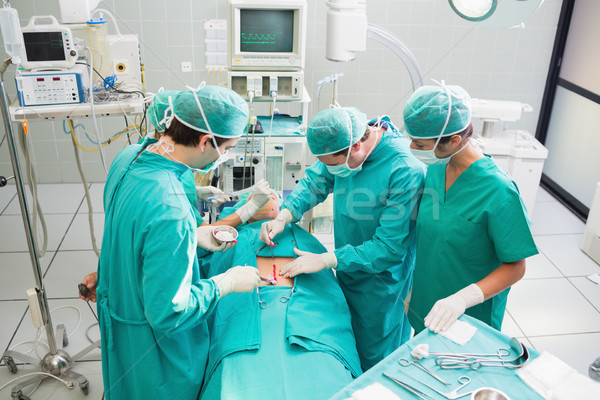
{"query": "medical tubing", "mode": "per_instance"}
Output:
(91, 68)
(86, 189)
(274, 95)
(250, 119)
(114, 20)
(33, 187)
(390, 40)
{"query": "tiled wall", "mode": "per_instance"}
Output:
(490, 64)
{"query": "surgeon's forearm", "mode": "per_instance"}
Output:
(232, 220)
(506, 275)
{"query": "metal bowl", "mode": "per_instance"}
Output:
(488, 393)
(218, 233)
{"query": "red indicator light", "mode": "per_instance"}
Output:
(40, 79)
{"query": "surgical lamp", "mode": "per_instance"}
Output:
(347, 32)
(474, 10)
(495, 13)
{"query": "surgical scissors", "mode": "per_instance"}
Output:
(452, 395)
(405, 363)
(458, 361)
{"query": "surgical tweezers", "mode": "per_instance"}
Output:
(408, 387)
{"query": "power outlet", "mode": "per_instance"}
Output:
(186, 66)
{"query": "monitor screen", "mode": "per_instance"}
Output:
(267, 31)
(44, 46)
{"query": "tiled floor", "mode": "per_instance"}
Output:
(553, 308)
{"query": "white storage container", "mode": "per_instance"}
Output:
(522, 157)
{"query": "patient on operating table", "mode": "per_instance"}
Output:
(290, 339)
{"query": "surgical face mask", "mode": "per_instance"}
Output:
(344, 170)
(428, 156)
(166, 148)
(213, 165)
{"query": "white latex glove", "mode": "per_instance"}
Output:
(261, 194)
(237, 279)
(308, 263)
(274, 227)
(446, 311)
(216, 195)
(207, 241)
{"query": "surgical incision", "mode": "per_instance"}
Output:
(269, 265)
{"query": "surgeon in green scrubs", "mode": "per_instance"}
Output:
(152, 305)
(473, 233)
(376, 184)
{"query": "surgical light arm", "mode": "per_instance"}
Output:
(347, 31)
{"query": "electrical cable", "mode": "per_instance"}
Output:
(91, 99)
(88, 198)
(68, 384)
(87, 332)
(117, 135)
(78, 313)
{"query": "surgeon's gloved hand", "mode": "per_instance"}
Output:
(207, 241)
(212, 194)
(446, 311)
(261, 194)
(237, 280)
(274, 227)
(308, 263)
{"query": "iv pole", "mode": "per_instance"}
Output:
(57, 362)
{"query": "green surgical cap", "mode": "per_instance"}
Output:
(426, 112)
(156, 111)
(335, 129)
(226, 112)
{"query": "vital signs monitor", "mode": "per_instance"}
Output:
(264, 35)
(47, 46)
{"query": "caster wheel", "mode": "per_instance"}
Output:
(12, 366)
(23, 397)
(85, 388)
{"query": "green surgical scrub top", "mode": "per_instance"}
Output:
(465, 233)
(374, 229)
(152, 305)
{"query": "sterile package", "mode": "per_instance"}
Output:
(460, 332)
(553, 379)
(374, 391)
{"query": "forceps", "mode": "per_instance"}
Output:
(408, 387)
(405, 363)
(261, 303)
(452, 395)
(285, 299)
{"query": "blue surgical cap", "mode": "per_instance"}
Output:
(156, 111)
(226, 112)
(335, 129)
(426, 112)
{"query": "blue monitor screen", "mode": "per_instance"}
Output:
(267, 31)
